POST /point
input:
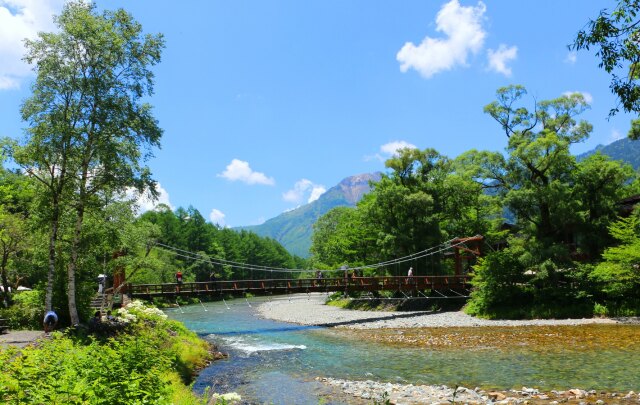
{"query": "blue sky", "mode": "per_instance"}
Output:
(265, 104)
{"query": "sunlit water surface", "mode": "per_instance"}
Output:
(275, 362)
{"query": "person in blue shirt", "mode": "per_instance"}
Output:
(50, 321)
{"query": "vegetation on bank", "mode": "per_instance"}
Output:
(551, 223)
(142, 357)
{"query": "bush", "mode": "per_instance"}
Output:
(26, 311)
(148, 364)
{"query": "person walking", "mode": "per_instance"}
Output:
(410, 275)
(50, 321)
(101, 283)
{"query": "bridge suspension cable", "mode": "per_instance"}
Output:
(246, 266)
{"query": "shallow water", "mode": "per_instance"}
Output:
(276, 362)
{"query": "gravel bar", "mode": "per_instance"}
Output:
(309, 309)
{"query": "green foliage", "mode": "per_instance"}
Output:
(186, 229)
(135, 367)
(424, 200)
(527, 280)
(26, 311)
(614, 35)
(89, 128)
(599, 183)
(342, 236)
(499, 281)
(619, 273)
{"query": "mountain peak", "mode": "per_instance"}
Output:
(354, 187)
(293, 229)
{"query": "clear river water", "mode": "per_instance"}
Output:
(276, 362)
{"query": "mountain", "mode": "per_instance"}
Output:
(623, 149)
(293, 228)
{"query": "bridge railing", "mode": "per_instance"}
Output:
(301, 285)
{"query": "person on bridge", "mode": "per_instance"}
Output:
(50, 321)
(179, 277)
(410, 275)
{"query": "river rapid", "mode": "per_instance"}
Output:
(277, 362)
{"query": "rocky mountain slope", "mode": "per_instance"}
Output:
(293, 228)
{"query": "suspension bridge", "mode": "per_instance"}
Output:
(345, 279)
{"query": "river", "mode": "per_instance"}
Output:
(276, 362)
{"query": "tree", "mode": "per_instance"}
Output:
(13, 239)
(615, 36)
(620, 270)
(89, 128)
(341, 237)
(598, 184)
(534, 178)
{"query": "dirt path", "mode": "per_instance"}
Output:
(20, 338)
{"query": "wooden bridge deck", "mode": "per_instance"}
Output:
(442, 284)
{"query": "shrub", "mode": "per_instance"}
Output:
(26, 311)
(146, 364)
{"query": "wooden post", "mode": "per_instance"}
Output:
(118, 273)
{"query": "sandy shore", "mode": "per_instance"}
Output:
(309, 309)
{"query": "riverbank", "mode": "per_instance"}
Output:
(309, 309)
(441, 394)
(455, 331)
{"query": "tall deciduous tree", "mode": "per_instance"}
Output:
(535, 176)
(89, 129)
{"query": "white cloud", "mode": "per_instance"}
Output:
(304, 188)
(587, 96)
(316, 192)
(239, 170)
(462, 27)
(499, 58)
(390, 149)
(615, 135)
(217, 217)
(572, 57)
(259, 221)
(145, 203)
(20, 19)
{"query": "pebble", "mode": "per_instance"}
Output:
(410, 394)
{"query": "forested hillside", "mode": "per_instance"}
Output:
(626, 150)
(186, 242)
